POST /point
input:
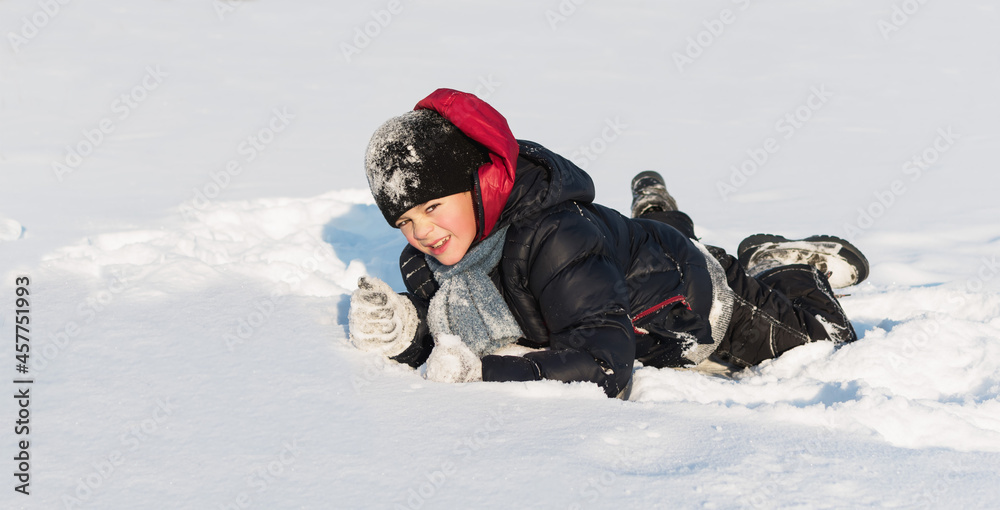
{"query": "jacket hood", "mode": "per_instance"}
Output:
(545, 179)
(480, 122)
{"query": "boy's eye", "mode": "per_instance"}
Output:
(401, 223)
(431, 208)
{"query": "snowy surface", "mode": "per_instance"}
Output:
(192, 246)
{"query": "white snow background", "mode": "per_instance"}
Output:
(189, 289)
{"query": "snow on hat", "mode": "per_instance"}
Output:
(417, 157)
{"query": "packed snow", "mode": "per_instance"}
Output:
(182, 185)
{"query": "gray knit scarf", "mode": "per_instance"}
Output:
(468, 304)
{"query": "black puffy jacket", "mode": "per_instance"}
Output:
(583, 282)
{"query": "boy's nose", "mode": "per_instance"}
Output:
(422, 229)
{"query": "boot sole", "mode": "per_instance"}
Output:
(847, 251)
(650, 191)
(648, 174)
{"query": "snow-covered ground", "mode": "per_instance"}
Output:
(182, 184)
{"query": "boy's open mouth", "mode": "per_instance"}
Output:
(437, 247)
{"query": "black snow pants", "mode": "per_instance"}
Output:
(778, 310)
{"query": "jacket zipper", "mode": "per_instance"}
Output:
(655, 308)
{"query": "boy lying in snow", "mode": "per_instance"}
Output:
(506, 247)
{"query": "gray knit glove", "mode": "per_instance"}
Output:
(452, 361)
(381, 320)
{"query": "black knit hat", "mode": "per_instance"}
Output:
(417, 157)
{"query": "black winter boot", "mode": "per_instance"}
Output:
(781, 309)
(842, 263)
(649, 193)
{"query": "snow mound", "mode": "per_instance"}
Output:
(926, 373)
(10, 230)
(282, 242)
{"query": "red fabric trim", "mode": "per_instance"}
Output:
(485, 125)
(655, 308)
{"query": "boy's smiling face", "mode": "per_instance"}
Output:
(443, 228)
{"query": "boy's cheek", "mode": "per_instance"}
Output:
(413, 242)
